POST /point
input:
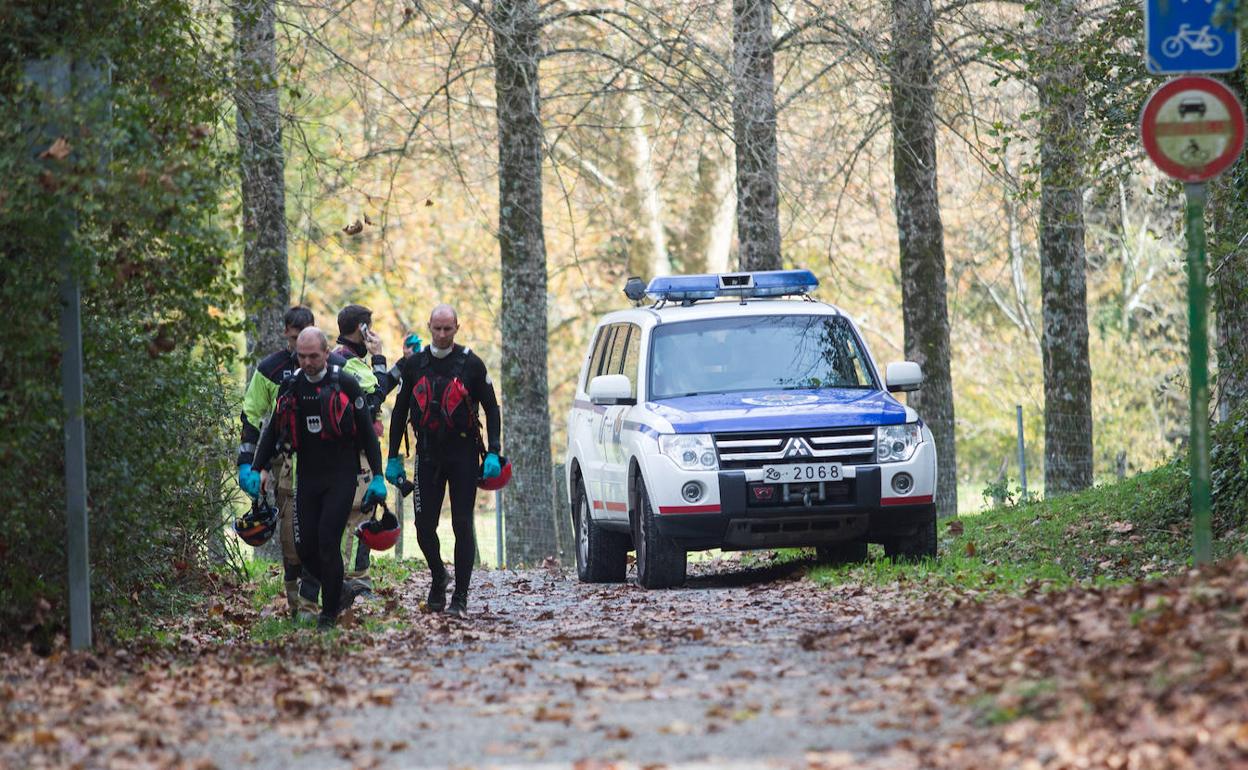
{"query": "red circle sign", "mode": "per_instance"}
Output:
(1193, 128)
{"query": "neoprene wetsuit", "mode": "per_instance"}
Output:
(447, 460)
(327, 477)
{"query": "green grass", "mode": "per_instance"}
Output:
(1134, 529)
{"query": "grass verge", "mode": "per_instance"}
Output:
(1138, 528)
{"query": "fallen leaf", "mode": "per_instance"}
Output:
(58, 150)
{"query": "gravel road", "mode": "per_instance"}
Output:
(548, 672)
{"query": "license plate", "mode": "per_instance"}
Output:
(801, 472)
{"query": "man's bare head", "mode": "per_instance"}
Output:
(312, 347)
(443, 324)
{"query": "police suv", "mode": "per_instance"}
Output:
(735, 412)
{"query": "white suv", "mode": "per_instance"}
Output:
(735, 412)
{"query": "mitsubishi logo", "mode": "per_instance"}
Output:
(797, 447)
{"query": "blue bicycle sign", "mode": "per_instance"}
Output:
(1190, 36)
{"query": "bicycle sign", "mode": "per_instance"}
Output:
(1190, 36)
(1193, 128)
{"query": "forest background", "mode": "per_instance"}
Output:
(391, 183)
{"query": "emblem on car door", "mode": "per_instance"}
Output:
(797, 447)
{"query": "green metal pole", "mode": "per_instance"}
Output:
(1198, 340)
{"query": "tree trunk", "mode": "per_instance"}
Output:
(754, 131)
(920, 234)
(646, 185)
(266, 280)
(530, 524)
(1063, 283)
(708, 240)
(262, 165)
(1228, 257)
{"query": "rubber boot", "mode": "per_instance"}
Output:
(459, 604)
(437, 591)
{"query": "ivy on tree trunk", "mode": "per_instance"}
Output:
(530, 523)
(266, 279)
(1064, 345)
(1228, 255)
(920, 234)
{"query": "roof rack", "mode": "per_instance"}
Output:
(766, 283)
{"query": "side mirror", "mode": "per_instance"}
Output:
(611, 389)
(903, 376)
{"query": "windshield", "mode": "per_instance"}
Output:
(725, 355)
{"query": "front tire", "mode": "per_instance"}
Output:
(660, 560)
(601, 556)
(851, 552)
(920, 545)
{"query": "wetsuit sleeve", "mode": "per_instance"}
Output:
(387, 379)
(267, 447)
(258, 403)
(398, 417)
(364, 427)
(482, 392)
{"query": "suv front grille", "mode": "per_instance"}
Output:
(745, 451)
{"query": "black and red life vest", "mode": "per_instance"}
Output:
(441, 405)
(337, 411)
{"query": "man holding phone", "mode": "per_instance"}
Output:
(360, 347)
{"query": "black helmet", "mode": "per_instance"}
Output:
(259, 525)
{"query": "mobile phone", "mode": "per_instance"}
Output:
(364, 329)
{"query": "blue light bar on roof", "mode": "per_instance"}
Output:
(767, 283)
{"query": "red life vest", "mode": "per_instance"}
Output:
(337, 411)
(441, 404)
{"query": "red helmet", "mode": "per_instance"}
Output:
(499, 481)
(379, 534)
(259, 525)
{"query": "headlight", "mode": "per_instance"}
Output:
(691, 451)
(896, 443)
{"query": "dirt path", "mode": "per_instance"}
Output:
(550, 672)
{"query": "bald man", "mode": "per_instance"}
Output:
(328, 452)
(442, 388)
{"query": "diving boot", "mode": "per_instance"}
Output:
(351, 590)
(459, 605)
(308, 599)
(437, 592)
(292, 598)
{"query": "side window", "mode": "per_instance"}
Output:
(632, 352)
(615, 360)
(600, 348)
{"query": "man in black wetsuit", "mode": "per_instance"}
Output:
(321, 417)
(442, 388)
(258, 403)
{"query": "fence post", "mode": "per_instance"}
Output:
(1022, 454)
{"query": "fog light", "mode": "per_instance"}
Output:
(692, 491)
(903, 483)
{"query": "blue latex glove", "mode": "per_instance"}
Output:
(413, 342)
(394, 470)
(376, 491)
(249, 480)
(491, 467)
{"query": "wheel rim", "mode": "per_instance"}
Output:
(582, 539)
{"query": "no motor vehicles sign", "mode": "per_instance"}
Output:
(1193, 128)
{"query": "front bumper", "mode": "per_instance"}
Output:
(848, 510)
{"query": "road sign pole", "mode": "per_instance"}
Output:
(1198, 340)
